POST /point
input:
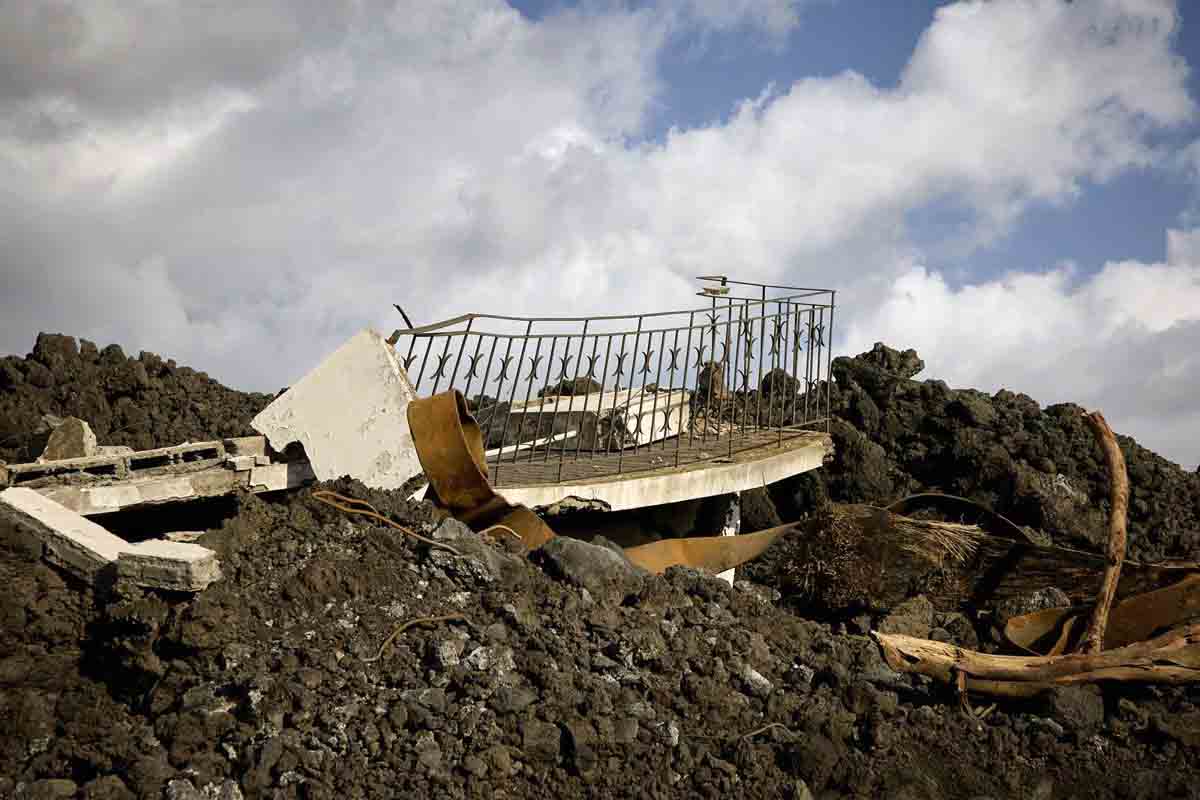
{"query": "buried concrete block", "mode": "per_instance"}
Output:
(162, 564)
(73, 542)
(350, 413)
(92, 553)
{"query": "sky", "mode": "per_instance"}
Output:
(1011, 187)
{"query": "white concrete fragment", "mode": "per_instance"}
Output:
(275, 477)
(350, 414)
(240, 463)
(647, 416)
(732, 526)
(183, 536)
(163, 564)
(71, 541)
(87, 550)
(262, 461)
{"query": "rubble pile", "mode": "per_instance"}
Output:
(142, 402)
(341, 657)
(567, 675)
(895, 436)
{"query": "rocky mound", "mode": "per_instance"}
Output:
(1042, 468)
(141, 402)
(341, 658)
(567, 675)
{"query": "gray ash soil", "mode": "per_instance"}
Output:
(570, 675)
(639, 686)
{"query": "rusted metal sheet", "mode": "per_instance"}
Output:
(450, 447)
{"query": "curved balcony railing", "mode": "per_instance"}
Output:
(562, 397)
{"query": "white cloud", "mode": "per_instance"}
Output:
(292, 170)
(1125, 340)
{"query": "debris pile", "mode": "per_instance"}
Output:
(142, 402)
(560, 679)
(895, 436)
(398, 652)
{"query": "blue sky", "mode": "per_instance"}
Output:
(1009, 187)
(707, 73)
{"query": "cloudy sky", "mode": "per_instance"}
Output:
(1010, 187)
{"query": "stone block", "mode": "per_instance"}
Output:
(240, 463)
(350, 413)
(73, 438)
(164, 564)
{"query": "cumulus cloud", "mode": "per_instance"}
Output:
(1123, 340)
(244, 190)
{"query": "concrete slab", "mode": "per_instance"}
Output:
(90, 552)
(276, 477)
(163, 564)
(351, 415)
(71, 541)
(240, 463)
(93, 499)
(646, 416)
(747, 469)
(117, 464)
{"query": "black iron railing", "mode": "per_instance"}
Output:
(558, 397)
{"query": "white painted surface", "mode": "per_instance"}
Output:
(731, 526)
(71, 541)
(85, 549)
(350, 414)
(165, 564)
(653, 409)
(751, 469)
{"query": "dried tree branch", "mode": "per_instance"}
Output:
(1093, 637)
(1173, 657)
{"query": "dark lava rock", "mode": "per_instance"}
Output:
(606, 574)
(142, 403)
(913, 617)
(903, 364)
(1079, 709)
(568, 387)
(1038, 600)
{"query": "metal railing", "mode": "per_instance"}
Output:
(558, 398)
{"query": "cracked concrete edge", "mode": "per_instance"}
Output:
(88, 551)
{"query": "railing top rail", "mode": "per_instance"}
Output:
(462, 318)
(726, 280)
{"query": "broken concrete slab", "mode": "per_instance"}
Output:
(72, 438)
(350, 414)
(183, 536)
(276, 477)
(161, 564)
(240, 463)
(69, 540)
(118, 464)
(622, 418)
(92, 553)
